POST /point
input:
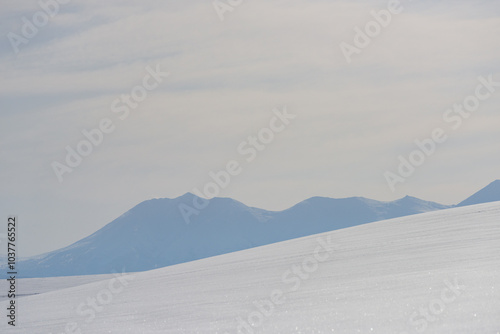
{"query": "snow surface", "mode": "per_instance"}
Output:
(372, 280)
(35, 286)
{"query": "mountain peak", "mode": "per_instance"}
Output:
(408, 198)
(188, 195)
(490, 193)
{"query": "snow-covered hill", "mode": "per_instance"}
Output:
(436, 272)
(154, 234)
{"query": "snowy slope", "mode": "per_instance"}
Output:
(154, 234)
(436, 272)
(35, 286)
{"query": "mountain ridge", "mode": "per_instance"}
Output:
(154, 234)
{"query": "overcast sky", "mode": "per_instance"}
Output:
(226, 77)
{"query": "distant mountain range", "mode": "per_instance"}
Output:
(154, 233)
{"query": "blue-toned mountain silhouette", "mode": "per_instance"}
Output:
(491, 193)
(154, 233)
